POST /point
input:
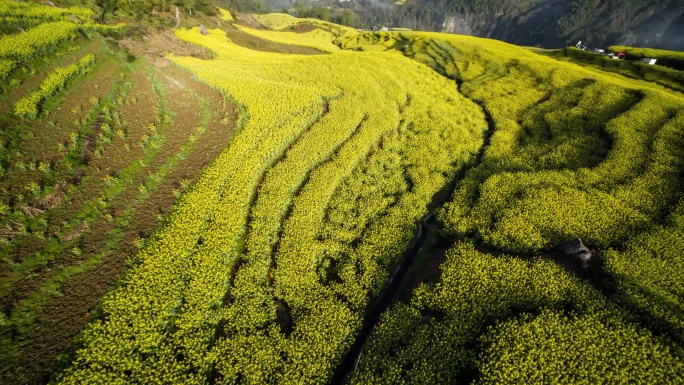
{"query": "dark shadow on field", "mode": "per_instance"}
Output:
(381, 305)
(246, 40)
(424, 239)
(568, 115)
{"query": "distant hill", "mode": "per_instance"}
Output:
(652, 23)
(546, 23)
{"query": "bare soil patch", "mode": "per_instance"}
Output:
(33, 82)
(62, 222)
(43, 147)
(155, 45)
(306, 27)
(246, 40)
(248, 20)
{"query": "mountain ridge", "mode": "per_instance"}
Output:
(543, 23)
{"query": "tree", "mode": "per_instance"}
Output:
(347, 18)
(320, 12)
(300, 9)
(103, 7)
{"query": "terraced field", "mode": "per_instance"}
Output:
(575, 153)
(154, 233)
(85, 182)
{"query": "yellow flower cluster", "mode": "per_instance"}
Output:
(6, 67)
(559, 349)
(23, 46)
(28, 106)
(649, 274)
(284, 21)
(29, 14)
(576, 336)
(317, 38)
(225, 15)
(245, 247)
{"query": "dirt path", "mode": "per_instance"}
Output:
(155, 45)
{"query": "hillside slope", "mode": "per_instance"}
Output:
(268, 269)
(546, 23)
(298, 202)
(553, 23)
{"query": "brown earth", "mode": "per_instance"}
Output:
(246, 40)
(66, 315)
(248, 20)
(90, 186)
(42, 146)
(155, 45)
(306, 27)
(177, 104)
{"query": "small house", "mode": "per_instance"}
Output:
(649, 60)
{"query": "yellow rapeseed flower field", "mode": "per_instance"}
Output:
(267, 266)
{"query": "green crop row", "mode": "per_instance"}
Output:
(659, 74)
(28, 106)
(649, 52)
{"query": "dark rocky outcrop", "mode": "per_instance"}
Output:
(577, 253)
